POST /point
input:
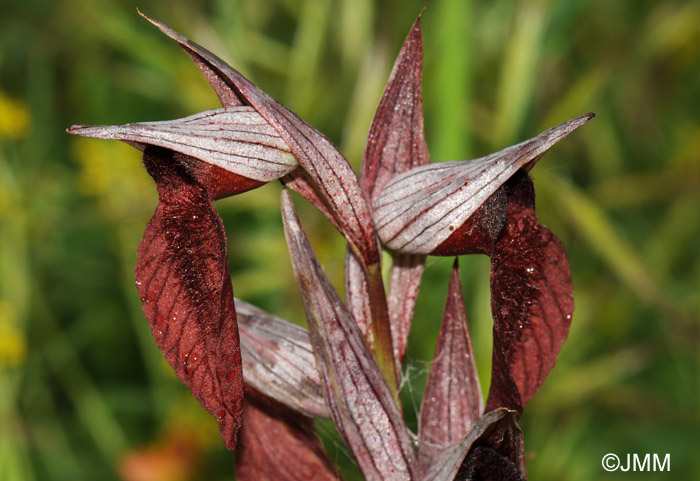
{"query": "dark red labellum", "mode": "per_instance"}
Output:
(183, 279)
(531, 290)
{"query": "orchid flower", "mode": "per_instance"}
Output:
(251, 368)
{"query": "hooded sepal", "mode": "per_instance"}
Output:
(237, 140)
(420, 209)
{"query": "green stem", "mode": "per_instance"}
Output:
(381, 329)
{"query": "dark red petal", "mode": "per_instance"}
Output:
(281, 445)
(396, 141)
(215, 181)
(183, 280)
(479, 233)
(531, 299)
(220, 183)
(452, 401)
(361, 404)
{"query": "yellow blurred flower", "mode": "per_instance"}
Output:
(112, 172)
(13, 345)
(15, 120)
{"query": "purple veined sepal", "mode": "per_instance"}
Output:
(236, 140)
(395, 143)
(361, 404)
(279, 362)
(452, 401)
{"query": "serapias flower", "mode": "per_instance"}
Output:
(346, 365)
(182, 271)
(487, 206)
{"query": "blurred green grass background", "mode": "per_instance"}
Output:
(84, 393)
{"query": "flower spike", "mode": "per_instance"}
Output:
(347, 365)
